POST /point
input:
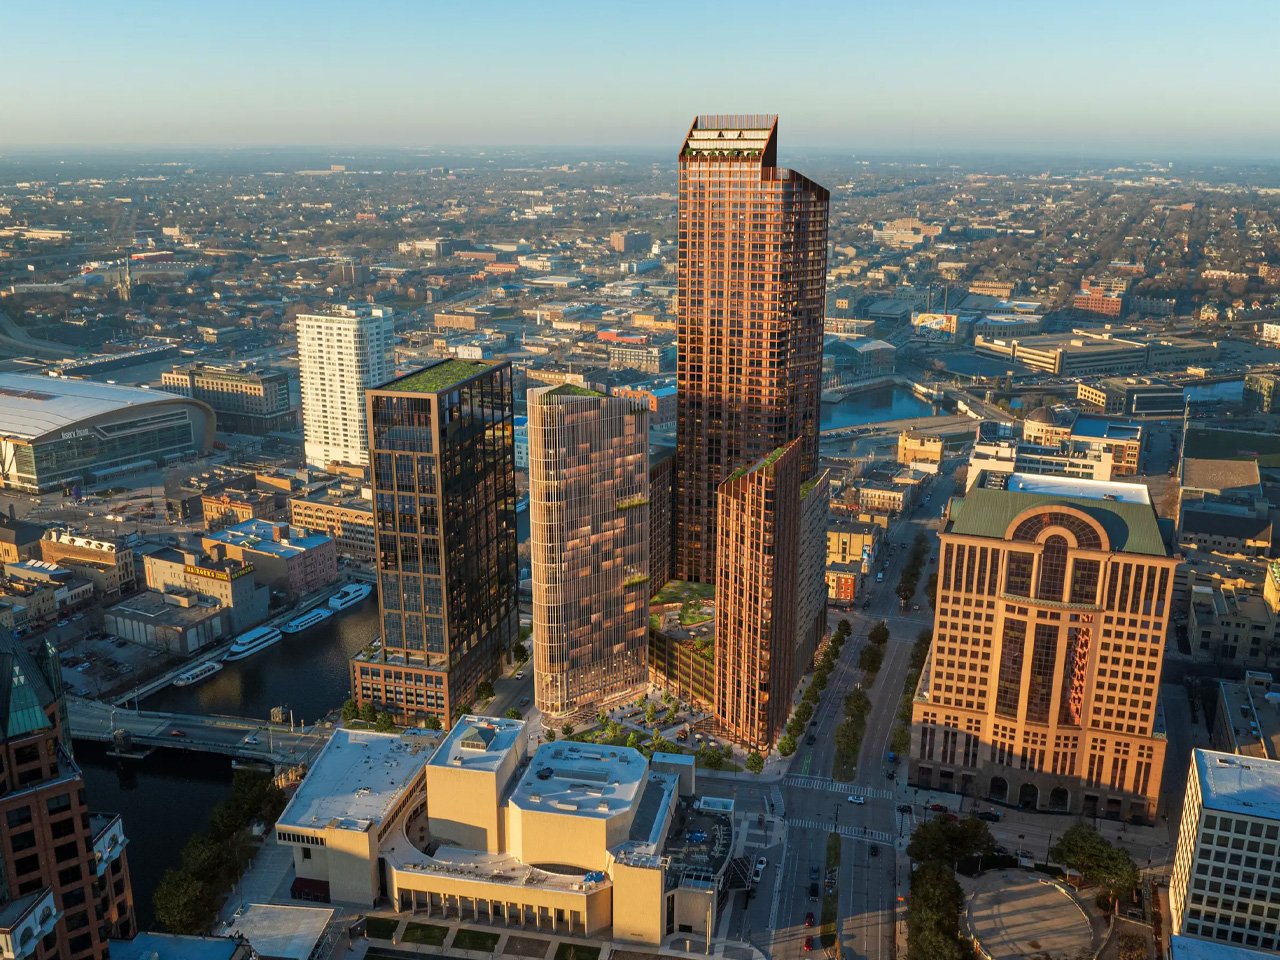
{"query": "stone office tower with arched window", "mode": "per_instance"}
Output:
(1042, 686)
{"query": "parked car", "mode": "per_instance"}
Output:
(990, 816)
(938, 807)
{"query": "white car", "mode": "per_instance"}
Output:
(519, 674)
(857, 799)
(761, 863)
(251, 739)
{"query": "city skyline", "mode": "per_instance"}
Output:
(987, 77)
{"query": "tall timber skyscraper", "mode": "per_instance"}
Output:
(589, 539)
(442, 461)
(752, 274)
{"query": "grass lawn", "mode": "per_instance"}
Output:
(475, 940)
(381, 928)
(681, 591)
(1234, 444)
(427, 933)
(576, 951)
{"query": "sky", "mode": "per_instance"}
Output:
(1124, 78)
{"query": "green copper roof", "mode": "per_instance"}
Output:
(1131, 527)
(24, 694)
(437, 377)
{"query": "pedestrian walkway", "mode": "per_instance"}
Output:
(838, 786)
(266, 881)
(852, 832)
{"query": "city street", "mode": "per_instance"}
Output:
(802, 810)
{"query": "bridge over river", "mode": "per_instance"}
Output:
(234, 737)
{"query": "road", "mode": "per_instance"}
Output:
(94, 720)
(801, 811)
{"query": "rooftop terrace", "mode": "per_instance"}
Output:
(438, 377)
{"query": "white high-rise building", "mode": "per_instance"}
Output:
(341, 353)
(1226, 872)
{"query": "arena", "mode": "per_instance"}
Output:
(57, 433)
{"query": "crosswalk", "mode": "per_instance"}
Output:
(836, 786)
(845, 830)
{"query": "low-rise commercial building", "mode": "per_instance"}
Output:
(19, 540)
(1247, 719)
(1133, 396)
(246, 400)
(578, 839)
(922, 450)
(1069, 430)
(227, 583)
(179, 622)
(230, 507)
(347, 518)
(1085, 352)
(1227, 862)
(107, 563)
(1232, 627)
(37, 593)
(855, 542)
(294, 561)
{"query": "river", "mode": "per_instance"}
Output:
(305, 673)
(889, 402)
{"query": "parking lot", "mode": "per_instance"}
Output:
(101, 666)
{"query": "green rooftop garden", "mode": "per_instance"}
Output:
(768, 461)
(438, 377)
(682, 591)
(572, 390)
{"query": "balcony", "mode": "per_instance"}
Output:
(108, 840)
(25, 922)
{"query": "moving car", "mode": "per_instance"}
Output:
(813, 891)
(874, 851)
(938, 807)
(859, 800)
(904, 808)
(177, 733)
(808, 919)
(990, 816)
(808, 944)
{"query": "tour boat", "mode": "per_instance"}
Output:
(307, 620)
(196, 674)
(247, 644)
(349, 596)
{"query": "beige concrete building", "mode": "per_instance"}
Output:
(576, 839)
(589, 540)
(230, 583)
(1042, 686)
(916, 449)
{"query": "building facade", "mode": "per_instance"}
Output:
(292, 560)
(246, 400)
(347, 519)
(752, 257)
(758, 527)
(59, 433)
(1225, 872)
(444, 498)
(66, 884)
(341, 353)
(1042, 686)
(589, 539)
(107, 563)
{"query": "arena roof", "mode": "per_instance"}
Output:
(33, 406)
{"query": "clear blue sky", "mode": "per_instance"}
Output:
(1118, 77)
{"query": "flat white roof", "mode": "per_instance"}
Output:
(280, 931)
(1072, 487)
(1246, 786)
(581, 779)
(32, 406)
(478, 743)
(1193, 948)
(356, 779)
